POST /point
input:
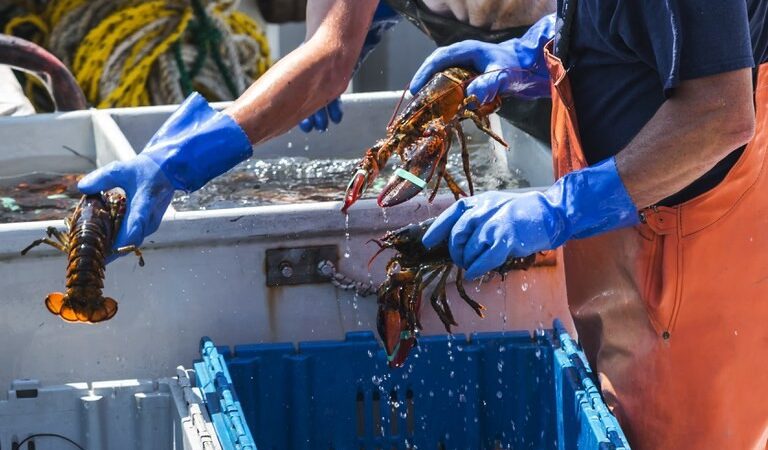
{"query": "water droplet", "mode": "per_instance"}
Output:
(499, 394)
(346, 236)
(290, 144)
(524, 287)
(431, 393)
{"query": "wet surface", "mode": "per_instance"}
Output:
(257, 182)
(39, 196)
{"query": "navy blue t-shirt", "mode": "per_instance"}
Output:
(627, 56)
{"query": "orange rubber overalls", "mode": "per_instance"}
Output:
(673, 313)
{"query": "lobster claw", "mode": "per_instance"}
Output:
(397, 318)
(403, 185)
(399, 354)
(398, 340)
(355, 189)
(367, 171)
(423, 158)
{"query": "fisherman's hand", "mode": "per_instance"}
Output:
(319, 120)
(195, 144)
(485, 230)
(513, 68)
(148, 192)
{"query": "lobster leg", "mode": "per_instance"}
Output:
(48, 241)
(430, 277)
(453, 186)
(439, 302)
(441, 172)
(413, 303)
(61, 237)
(481, 122)
(131, 249)
(463, 294)
(465, 157)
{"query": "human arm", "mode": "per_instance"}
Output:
(198, 143)
(384, 18)
(708, 112)
(665, 156)
(309, 77)
(668, 154)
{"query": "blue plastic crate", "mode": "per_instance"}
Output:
(495, 390)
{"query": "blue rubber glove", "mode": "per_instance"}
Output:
(319, 120)
(195, 144)
(383, 19)
(513, 68)
(485, 230)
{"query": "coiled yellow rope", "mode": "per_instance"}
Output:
(140, 52)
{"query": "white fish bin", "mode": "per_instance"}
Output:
(235, 274)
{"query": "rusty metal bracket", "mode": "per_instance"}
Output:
(292, 266)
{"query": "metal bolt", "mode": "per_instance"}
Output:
(325, 268)
(286, 269)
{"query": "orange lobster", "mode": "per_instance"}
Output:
(421, 136)
(91, 231)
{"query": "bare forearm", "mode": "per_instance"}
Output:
(307, 78)
(705, 120)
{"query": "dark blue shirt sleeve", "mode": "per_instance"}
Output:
(687, 39)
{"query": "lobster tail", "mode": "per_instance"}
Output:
(93, 311)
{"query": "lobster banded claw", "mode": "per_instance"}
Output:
(355, 189)
(397, 356)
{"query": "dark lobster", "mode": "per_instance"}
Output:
(421, 136)
(409, 272)
(91, 231)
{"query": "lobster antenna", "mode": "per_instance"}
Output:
(397, 108)
(378, 252)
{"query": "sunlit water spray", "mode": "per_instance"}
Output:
(290, 180)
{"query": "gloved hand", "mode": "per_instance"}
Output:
(319, 120)
(195, 144)
(513, 68)
(485, 230)
(384, 18)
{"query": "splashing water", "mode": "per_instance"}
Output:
(290, 180)
(347, 250)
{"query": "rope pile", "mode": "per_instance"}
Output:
(142, 52)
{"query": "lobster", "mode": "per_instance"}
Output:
(91, 231)
(421, 136)
(409, 273)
